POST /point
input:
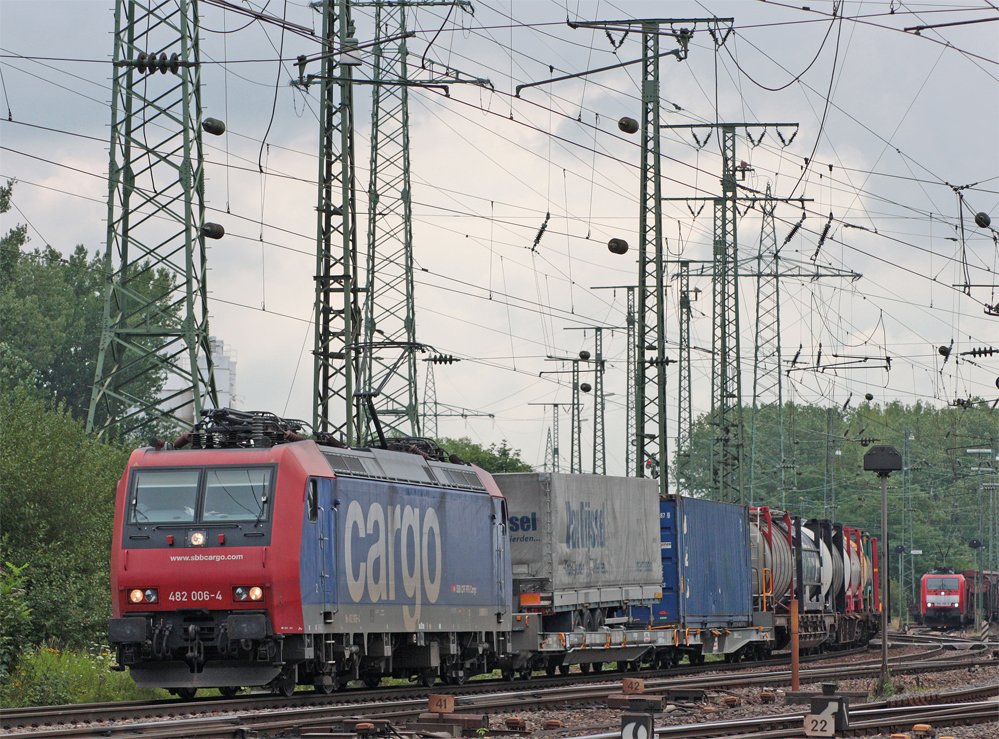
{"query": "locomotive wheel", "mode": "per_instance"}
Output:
(371, 681)
(563, 669)
(186, 693)
(229, 691)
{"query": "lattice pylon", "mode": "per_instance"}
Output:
(156, 188)
(767, 377)
(337, 314)
(726, 386)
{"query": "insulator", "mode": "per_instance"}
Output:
(617, 246)
(586, 387)
(982, 220)
(628, 125)
(944, 351)
(174, 63)
(212, 230)
(140, 62)
(868, 397)
(213, 126)
(163, 63)
(794, 230)
(584, 355)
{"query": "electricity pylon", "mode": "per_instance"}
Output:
(727, 451)
(631, 325)
(336, 359)
(389, 303)
(650, 366)
(767, 385)
(156, 187)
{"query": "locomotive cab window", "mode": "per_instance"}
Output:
(313, 501)
(236, 494)
(165, 496)
(943, 583)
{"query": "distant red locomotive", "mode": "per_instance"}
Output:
(948, 599)
(943, 599)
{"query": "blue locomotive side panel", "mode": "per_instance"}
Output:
(414, 558)
(704, 549)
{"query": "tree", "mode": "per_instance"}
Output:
(53, 314)
(57, 488)
(495, 459)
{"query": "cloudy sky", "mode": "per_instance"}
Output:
(899, 131)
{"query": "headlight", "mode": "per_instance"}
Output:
(245, 592)
(198, 539)
(149, 595)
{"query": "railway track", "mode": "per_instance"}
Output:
(98, 713)
(267, 714)
(963, 707)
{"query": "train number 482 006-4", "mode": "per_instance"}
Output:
(195, 596)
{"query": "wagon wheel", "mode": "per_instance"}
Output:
(230, 691)
(186, 693)
(427, 678)
(507, 675)
(458, 677)
(371, 681)
(585, 668)
(550, 668)
(563, 669)
(598, 666)
(286, 689)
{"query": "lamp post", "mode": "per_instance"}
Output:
(975, 545)
(900, 551)
(883, 460)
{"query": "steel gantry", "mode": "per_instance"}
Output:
(156, 227)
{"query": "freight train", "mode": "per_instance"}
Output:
(948, 599)
(246, 554)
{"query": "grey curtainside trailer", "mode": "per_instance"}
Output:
(583, 547)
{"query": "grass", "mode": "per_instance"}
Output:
(49, 676)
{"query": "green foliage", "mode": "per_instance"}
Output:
(47, 676)
(53, 316)
(494, 459)
(938, 495)
(15, 615)
(57, 490)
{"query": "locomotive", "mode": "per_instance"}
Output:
(246, 554)
(947, 599)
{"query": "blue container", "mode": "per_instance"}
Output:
(706, 564)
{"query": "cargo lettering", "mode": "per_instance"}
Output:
(524, 523)
(585, 528)
(377, 574)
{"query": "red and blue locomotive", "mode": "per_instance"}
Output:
(246, 555)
